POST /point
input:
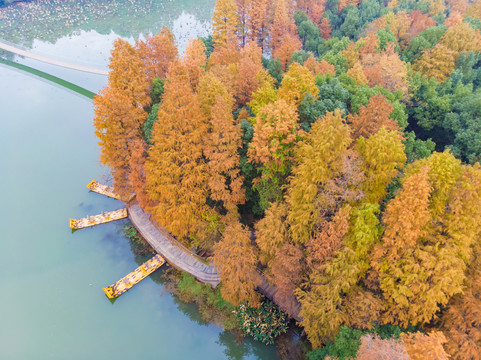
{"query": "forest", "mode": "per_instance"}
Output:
(332, 145)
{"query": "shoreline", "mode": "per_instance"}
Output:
(183, 259)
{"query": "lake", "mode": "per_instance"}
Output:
(52, 303)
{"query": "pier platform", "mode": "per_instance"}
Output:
(103, 218)
(102, 189)
(134, 277)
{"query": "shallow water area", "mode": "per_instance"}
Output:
(53, 306)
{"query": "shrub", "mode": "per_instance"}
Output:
(264, 323)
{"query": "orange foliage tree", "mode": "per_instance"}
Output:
(157, 53)
(289, 44)
(195, 61)
(236, 258)
(250, 73)
(325, 28)
(424, 233)
(454, 19)
(242, 14)
(421, 346)
(462, 319)
(119, 113)
(328, 240)
(284, 38)
(457, 6)
(319, 67)
(344, 3)
(137, 171)
(272, 231)
(387, 70)
(363, 308)
(382, 156)
(286, 269)
(224, 181)
(257, 21)
(437, 62)
(224, 22)
(275, 134)
(375, 348)
(296, 83)
(419, 23)
(319, 158)
(372, 117)
(176, 170)
(313, 8)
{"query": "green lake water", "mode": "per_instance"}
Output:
(51, 301)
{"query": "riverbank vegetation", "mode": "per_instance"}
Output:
(332, 146)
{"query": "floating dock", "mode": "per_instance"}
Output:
(103, 218)
(102, 189)
(134, 277)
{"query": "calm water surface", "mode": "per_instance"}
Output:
(51, 301)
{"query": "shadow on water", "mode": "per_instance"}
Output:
(112, 301)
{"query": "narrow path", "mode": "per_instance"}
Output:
(181, 258)
(172, 253)
(44, 59)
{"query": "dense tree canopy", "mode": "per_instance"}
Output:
(330, 145)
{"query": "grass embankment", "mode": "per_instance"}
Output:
(137, 243)
(49, 77)
(212, 307)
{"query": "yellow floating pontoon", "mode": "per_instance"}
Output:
(102, 189)
(103, 218)
(134, 277)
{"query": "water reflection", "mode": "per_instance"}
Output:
(51, 20)
(49, 153)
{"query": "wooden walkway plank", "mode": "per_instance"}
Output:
(97, 219)
(102, 189)
(106, 190)
(182, 259)
(170, 251)
(134, 277)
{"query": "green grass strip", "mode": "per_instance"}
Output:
(44, 75)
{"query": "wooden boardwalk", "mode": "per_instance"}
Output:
(182, 259)
(16, 50)
(97, 219)
(134, 277)
(172, 252)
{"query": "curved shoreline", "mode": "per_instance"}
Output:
(183, 259)
(168, 248)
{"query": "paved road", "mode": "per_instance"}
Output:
(44, 59)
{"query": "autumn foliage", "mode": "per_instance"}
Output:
(176, 168)
(294, 149)
(236, 258)
(119, 113)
